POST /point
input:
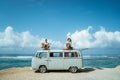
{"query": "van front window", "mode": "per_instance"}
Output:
(43, 55)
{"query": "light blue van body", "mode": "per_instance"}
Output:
(57, 59)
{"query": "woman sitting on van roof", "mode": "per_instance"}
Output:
(45, 45)
(68, 44)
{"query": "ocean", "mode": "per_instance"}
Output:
(92, 60)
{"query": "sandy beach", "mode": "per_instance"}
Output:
(87, 73)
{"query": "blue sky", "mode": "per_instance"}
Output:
(54, 19)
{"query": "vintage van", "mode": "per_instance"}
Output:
(44, 60)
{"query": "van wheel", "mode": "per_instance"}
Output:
(42, 69)
(73, 69)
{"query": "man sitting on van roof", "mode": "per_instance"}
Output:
(45, 45)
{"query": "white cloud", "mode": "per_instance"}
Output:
(14, 39)
(7, 38)
(56, 44)
(11, 40)
(101, 38)
(29, 40)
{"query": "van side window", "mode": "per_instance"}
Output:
(71, 54)
(66, 54)
(75, 54)
(43, 55)
(56, 54)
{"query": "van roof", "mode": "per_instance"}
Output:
(57, 50)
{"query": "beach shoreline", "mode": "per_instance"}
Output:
(88, 73)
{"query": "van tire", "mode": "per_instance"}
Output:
(42, 69)
(73, 69)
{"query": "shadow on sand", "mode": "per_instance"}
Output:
(88, 69)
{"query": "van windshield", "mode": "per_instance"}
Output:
(42, 55)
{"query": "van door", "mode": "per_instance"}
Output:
(55, 61)
(43, 58)
(72, 59)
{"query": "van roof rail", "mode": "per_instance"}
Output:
(83, 49)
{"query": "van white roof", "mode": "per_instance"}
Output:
(57, 50)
